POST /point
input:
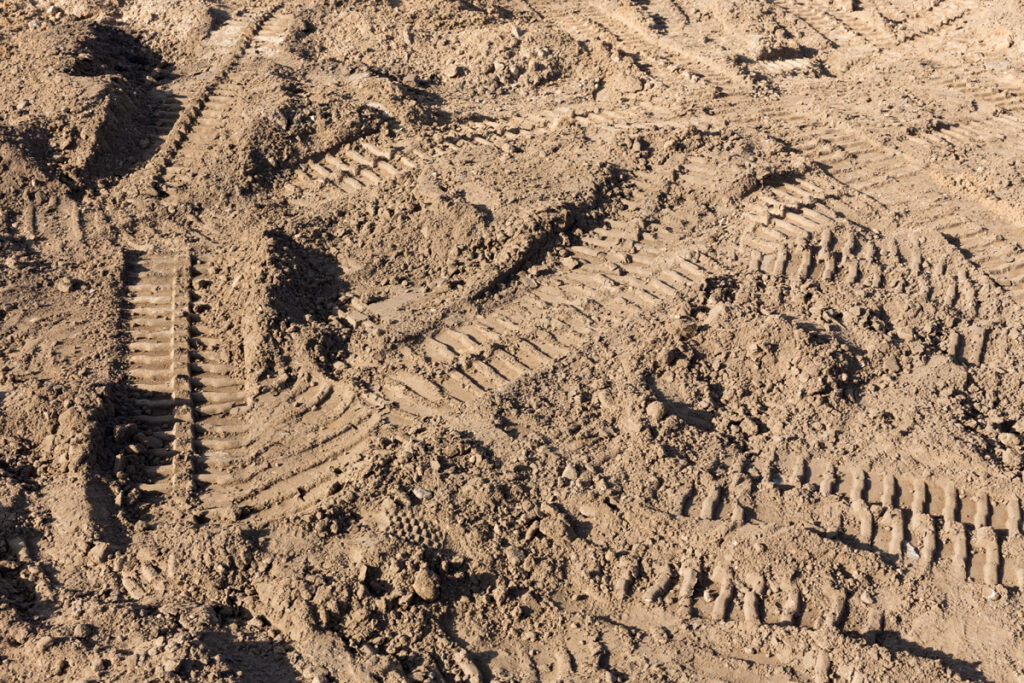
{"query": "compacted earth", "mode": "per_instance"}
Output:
(511, 340)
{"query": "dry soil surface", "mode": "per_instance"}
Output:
(511, 340)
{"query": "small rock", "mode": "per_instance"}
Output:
(98, 553)
(1009, 439)
(556, 528)
(748, 426)
(82, 631)
(1014, 460)
(469, 669)
(891, 365)
(866, 598)
(148, 572)
(426, 585)
(570, 472)
(422, 493)
(655, 411)
(65, 285)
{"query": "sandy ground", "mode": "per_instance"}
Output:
(511, 340)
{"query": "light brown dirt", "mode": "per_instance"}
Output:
(511, 340)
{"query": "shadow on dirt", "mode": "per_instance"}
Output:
(308, 283)
(254, 661)
(137, 115)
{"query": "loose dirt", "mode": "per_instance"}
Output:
(511, 340)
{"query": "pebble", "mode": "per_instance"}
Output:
(748, 426)
(426, 585)
(655, 411)
(1009, 439)
(65, 285)
(422, 493)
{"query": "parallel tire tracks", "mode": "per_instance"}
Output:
(185, 401)
(616, 272)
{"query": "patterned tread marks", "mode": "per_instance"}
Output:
(639, 35)
(933, 526)
(1001, 259)
(615, 272)
(993, 97)
(157, 371)
(802, 238)
(882, 173)
(167, 108)
(273, 35)
(972, 133)
(218, 397)
(940, 15)
(842, 27)
(291, 453)
(797, 66)
(351, 170)
(355, 168)
(848, 27)
(187, 402)
(200, 121)
(692, 588)
(409, 526)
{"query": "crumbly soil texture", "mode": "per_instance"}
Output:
(458, 341)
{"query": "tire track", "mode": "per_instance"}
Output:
(156, 318)
(298, 460)
(636, 37)
(201, 120)
(350, 170)
(355, 168)
(879, 172)
(937, 17)
(798, 232)
(931, 525)
(218, 397)
(843, 26)
(713, 590)
(797, 66)
(840, 27)
(616, 272)
(993, 97)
